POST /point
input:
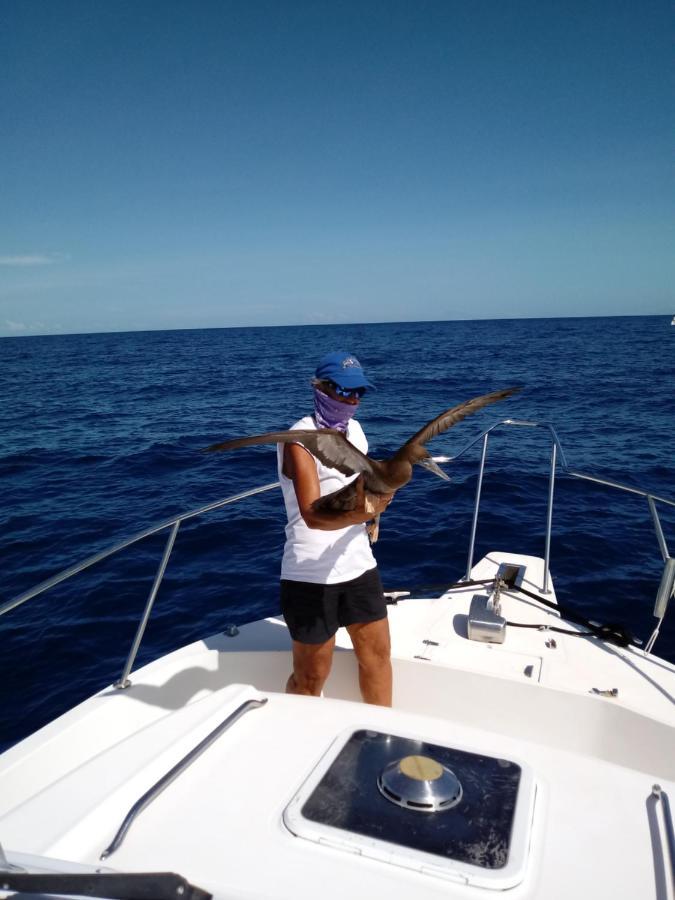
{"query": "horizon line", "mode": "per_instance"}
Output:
(336, 324)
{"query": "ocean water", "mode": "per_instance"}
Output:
(101, 437)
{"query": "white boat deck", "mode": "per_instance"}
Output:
(596, 830)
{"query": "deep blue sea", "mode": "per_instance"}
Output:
(101, 436)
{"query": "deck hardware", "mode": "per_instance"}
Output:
(420, 783)
(495, 601)
(528, 671)
(512, 575)
(392, 597)
(660, 797)
(607, 692)
(550, 643)
(174, 772)
(484, 623)
(427, 658)
(430, 643)
(231, 631)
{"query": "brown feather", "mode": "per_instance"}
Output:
(329, 446)
(455, 414)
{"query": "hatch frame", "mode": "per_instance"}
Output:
(504, 878)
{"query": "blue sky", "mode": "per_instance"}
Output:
(206, 164)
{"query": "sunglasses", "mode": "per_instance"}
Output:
(347, 393)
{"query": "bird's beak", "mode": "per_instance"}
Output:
(433, 466)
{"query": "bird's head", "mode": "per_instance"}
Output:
(429, 463)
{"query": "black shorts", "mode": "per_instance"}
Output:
(314, 612)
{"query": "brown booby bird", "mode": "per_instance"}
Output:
(376, 476)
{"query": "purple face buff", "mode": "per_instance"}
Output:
(330, 413)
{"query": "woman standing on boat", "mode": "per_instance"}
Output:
(329, 576)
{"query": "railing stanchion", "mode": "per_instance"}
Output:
(665, 553)
(474, 524)
(124, 677)
(549, 518)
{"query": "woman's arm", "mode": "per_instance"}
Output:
(300, 467)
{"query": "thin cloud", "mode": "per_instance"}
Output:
(32, 259)
(10, 326)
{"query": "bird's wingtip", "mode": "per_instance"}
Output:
(212, 448)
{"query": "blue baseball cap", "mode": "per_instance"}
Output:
(344, 369)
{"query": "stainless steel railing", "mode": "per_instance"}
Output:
(557, 458)
(667, 586)
(174, 524)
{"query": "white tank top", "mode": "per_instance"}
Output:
(310, 554)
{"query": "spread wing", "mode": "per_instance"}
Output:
(451, 416)
(329, 446)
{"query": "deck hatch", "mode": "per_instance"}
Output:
(482, 838)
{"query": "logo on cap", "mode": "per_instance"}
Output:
(351, 362)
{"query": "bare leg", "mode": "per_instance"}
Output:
(311, 667)
(373, 652)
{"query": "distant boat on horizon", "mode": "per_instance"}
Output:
(672, 321)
